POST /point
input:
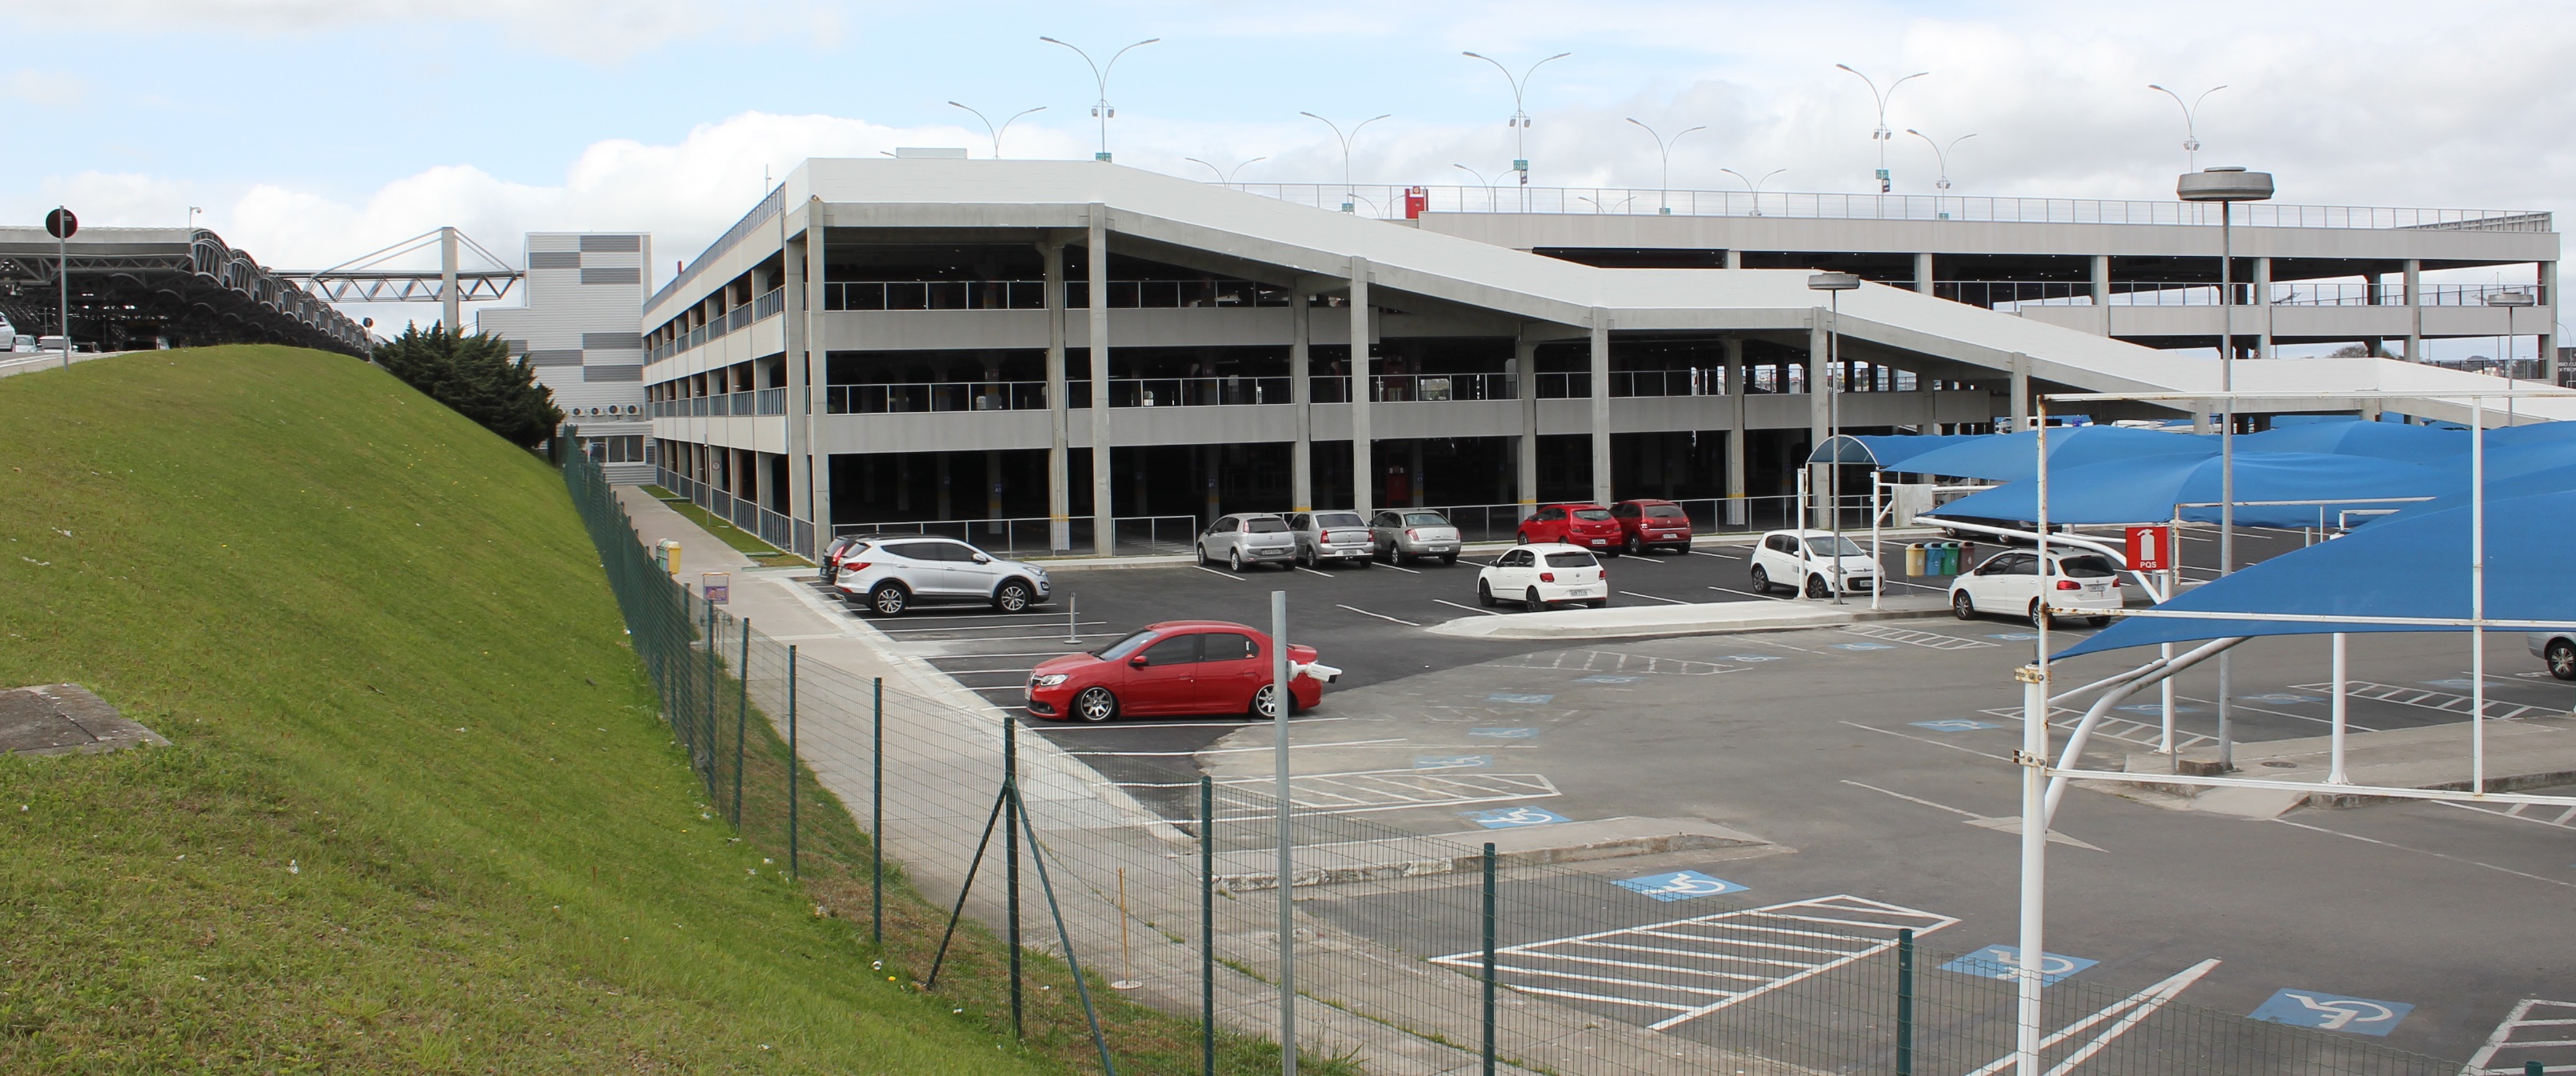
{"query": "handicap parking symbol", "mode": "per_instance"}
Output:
(2004, 962)
(1503, 733)
(1609, 679)
(1955, 724)
(2333, 1012)
(1678, 885)
(1862, 646)
(1515, 817)
(1450, 762)
(1521, 700)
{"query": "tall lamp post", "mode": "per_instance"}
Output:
(1349, 195)
(2226, 185)
(996, 132)
(1520, 121)
(1941, 157)
(1754, 186)
(2190, 123)
(1834, 285)
(1880, 133)
(1225, 176)
(1664, 149)
(1100, 76)
(1488, 184)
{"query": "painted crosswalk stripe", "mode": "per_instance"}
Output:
(2447, 702)
(1683, 969)
(2536, 1030)
(1928, 639)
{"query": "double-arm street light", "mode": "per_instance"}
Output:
(1349, 195)
(1664, 149)
(1940, 157)
(2190, 122)
(1754, 185)
(1224, 175)
(1880, 133)
(2226, 186)
(1482, 182)
(1520, 120)
(1100, 76)
(996, 132)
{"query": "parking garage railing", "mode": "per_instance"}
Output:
(1031, 294)
(2013, 294)
(1031, 536)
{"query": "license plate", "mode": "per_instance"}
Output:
(1601, 541)
(1437, 548)
(1578, 592)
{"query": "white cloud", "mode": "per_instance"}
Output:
(44, 89)
(600, 31)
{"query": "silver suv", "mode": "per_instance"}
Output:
(1331, 536)
(1258, 538)
(888, 575)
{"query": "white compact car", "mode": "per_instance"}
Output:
(1805, 560)
(2078, 581)
(1540, 575)
(888, 574)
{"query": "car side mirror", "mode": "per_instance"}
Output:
(981, 558)
(1139, 661)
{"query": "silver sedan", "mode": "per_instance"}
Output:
(1324, 537)
(1407, 533)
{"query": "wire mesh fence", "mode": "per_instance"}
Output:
(1410, 953)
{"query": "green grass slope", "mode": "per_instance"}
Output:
(419, 814)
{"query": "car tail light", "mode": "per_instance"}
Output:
(1547, 577)
(2069, 584)
(1412, 535)
(854, 565)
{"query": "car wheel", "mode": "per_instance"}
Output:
(2561, 656)
(1635, 546)
(1201, 550)
(1234, 559)
(1530, 602)
(1265, 703)
(889, 599)
(2039, 615)
(1818, 588)
(1403, 558)
(1305, 558)
(1447, 559)
(1366, 561)
(1095, 705)
(1599, 603)
(1761, 580)
(1484, 594)
(1961, 606)
(1520, 537)
(1012, 597)
(1682, 550)
(2097, 621)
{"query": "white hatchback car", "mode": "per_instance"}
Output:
(1540, 575)
(2078, 581)
(888, 574)
(1255, 538)
(1805, 561)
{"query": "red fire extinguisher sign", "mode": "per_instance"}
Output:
(2150, 549)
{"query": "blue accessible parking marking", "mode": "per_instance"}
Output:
(1515, 817)
(1751, 658)
(1450, 762)
(2004, 962)
(1862, 646)
(2333, 1012)
(1954, 724)
(1521, 700)
(1609, 679)
(1503, 733)
(1678, 885)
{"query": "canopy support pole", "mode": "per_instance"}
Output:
(2478, 594)
(2342, 695)
(2161, 670)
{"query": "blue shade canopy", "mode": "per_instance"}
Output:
(2384, 440)
(2146, 489)
(2415, 567)
(1885, 451)
(2011, 457)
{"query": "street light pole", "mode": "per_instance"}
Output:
(2190, 123)
(2226, 185)
(1880, 133)
(1941, 157)
(1664, 149)
(1349, 196)
(996, 132)
(1100, 76)
(1753, 185)
(1481, 181)
(1834, 285)
(1224, 176)
(1520, 121)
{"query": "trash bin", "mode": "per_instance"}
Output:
(1967, 558)
(667, 554)
(716, 587)
(1915, 558)
(1945, 556)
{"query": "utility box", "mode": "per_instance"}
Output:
(666, 553)
(716, 587)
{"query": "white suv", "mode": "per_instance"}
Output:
(890, 573)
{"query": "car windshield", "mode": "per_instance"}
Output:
(1272, 525)
(1576, 559)
(1338, 519)
(2088, 566)
(1424, 519)
(1119, 650)
(1824, 547)
(1595, 514)
(1663, 511)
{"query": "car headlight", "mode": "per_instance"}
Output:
(1049, 680)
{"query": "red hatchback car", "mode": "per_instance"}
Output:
(1175, 667)
(1588, 526)
(1646, 523)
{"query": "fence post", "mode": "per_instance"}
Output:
(741, 720)
(703, 729)
(1011, 859)
(876, 823)
(1905, 1002)
(1207, 925)
(1489, 958)
(792, 872)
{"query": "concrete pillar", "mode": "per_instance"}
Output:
(801, 402)
(1923, 273)
(2262, 304)
(1525, 372)
(2414, 310)
(993, 490)
(2020, 392)
(1104, 528)
(2548, 275)
(1820, 402)
(1735, 436)
(2102, 289)
(1301, 401)
(939, 466)
(1413, 470)
(1734, 258)
(1363, 466)
(1215, 462)
(1601, 492)
(1059, 408)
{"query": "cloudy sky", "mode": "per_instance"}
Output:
(311, 131)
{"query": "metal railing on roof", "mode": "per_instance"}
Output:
(760, 214)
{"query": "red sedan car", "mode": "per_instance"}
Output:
(1175, 667)
(1646, 523)
(1587, 526)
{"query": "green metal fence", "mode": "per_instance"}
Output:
(1414, 953)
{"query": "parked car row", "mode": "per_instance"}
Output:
(1635, 526)
(1311, 539)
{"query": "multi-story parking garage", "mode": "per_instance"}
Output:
(904, 341)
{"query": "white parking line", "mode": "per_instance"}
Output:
(2421, 851)
(1650, 597)
(1380, 616)
(1641, 558)
(1022, 624)
(1748, 594)
(1469, 608)
(1392, 564)
(2551, 1037)
(1311, 571)
(1218, 574)
(1935, 743)
(1720, 556)
(2130, 1010)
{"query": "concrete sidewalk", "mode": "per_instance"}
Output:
(1706, 618)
